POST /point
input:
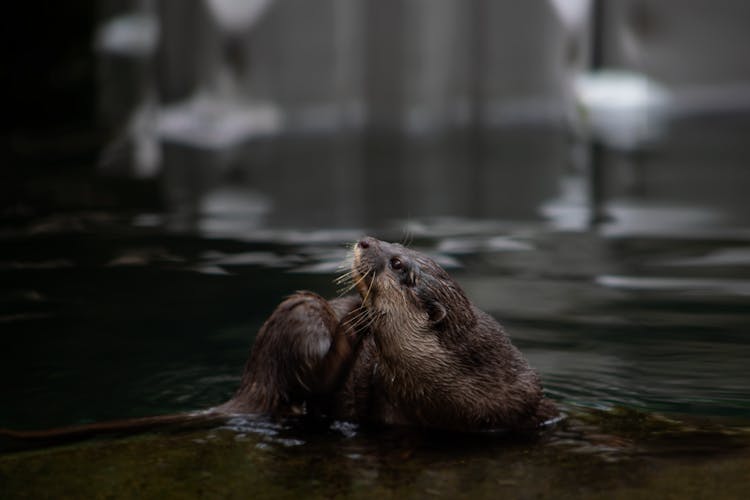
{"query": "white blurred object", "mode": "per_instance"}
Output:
(138, 136)
(573, 13)
(222, 115)
(133, 35)
(129, 39)
(236, 16)
(625, 110)
(142, 128)
(232, 210)
(209, 122)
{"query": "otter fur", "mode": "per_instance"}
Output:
(409, 349)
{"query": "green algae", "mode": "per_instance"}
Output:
(617, 454)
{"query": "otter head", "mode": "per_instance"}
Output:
(441, 361)
(407, 290)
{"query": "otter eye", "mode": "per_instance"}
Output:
(396, 264)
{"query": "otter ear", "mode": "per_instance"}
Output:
(437, 312)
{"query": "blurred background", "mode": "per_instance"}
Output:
(359, 113)
(171, 169)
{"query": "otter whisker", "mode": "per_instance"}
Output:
(346, 282)
(356, 313)
(345, 285)
(358, 318)
(352, 286)
(363, 319)
(360, 280)
(357, 323)
(365, 323)
(345, 272)
(408, 237)
(346, 263)
(347, 276)
(357, 326)
(354, 318)
(364, 300)
(370, 321)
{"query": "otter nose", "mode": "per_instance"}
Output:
(366, 242)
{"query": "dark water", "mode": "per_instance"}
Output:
(639, 328)
(114, 320)
(105, 319)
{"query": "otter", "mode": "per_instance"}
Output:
(408, 349)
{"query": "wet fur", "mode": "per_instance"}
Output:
(411, 349)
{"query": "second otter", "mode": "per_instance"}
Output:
(411, 349)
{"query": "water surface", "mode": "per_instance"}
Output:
(638, 327)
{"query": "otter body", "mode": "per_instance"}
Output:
(411, 349)
(408, 349)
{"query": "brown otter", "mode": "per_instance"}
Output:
(409, 349)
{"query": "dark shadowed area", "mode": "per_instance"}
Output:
(173, 170)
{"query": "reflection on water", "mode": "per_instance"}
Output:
(111, 314)
(107, 318)
(624, 276)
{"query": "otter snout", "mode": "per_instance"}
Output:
(369, 247)
(367, 242)
(368, 255)
(373, 257)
